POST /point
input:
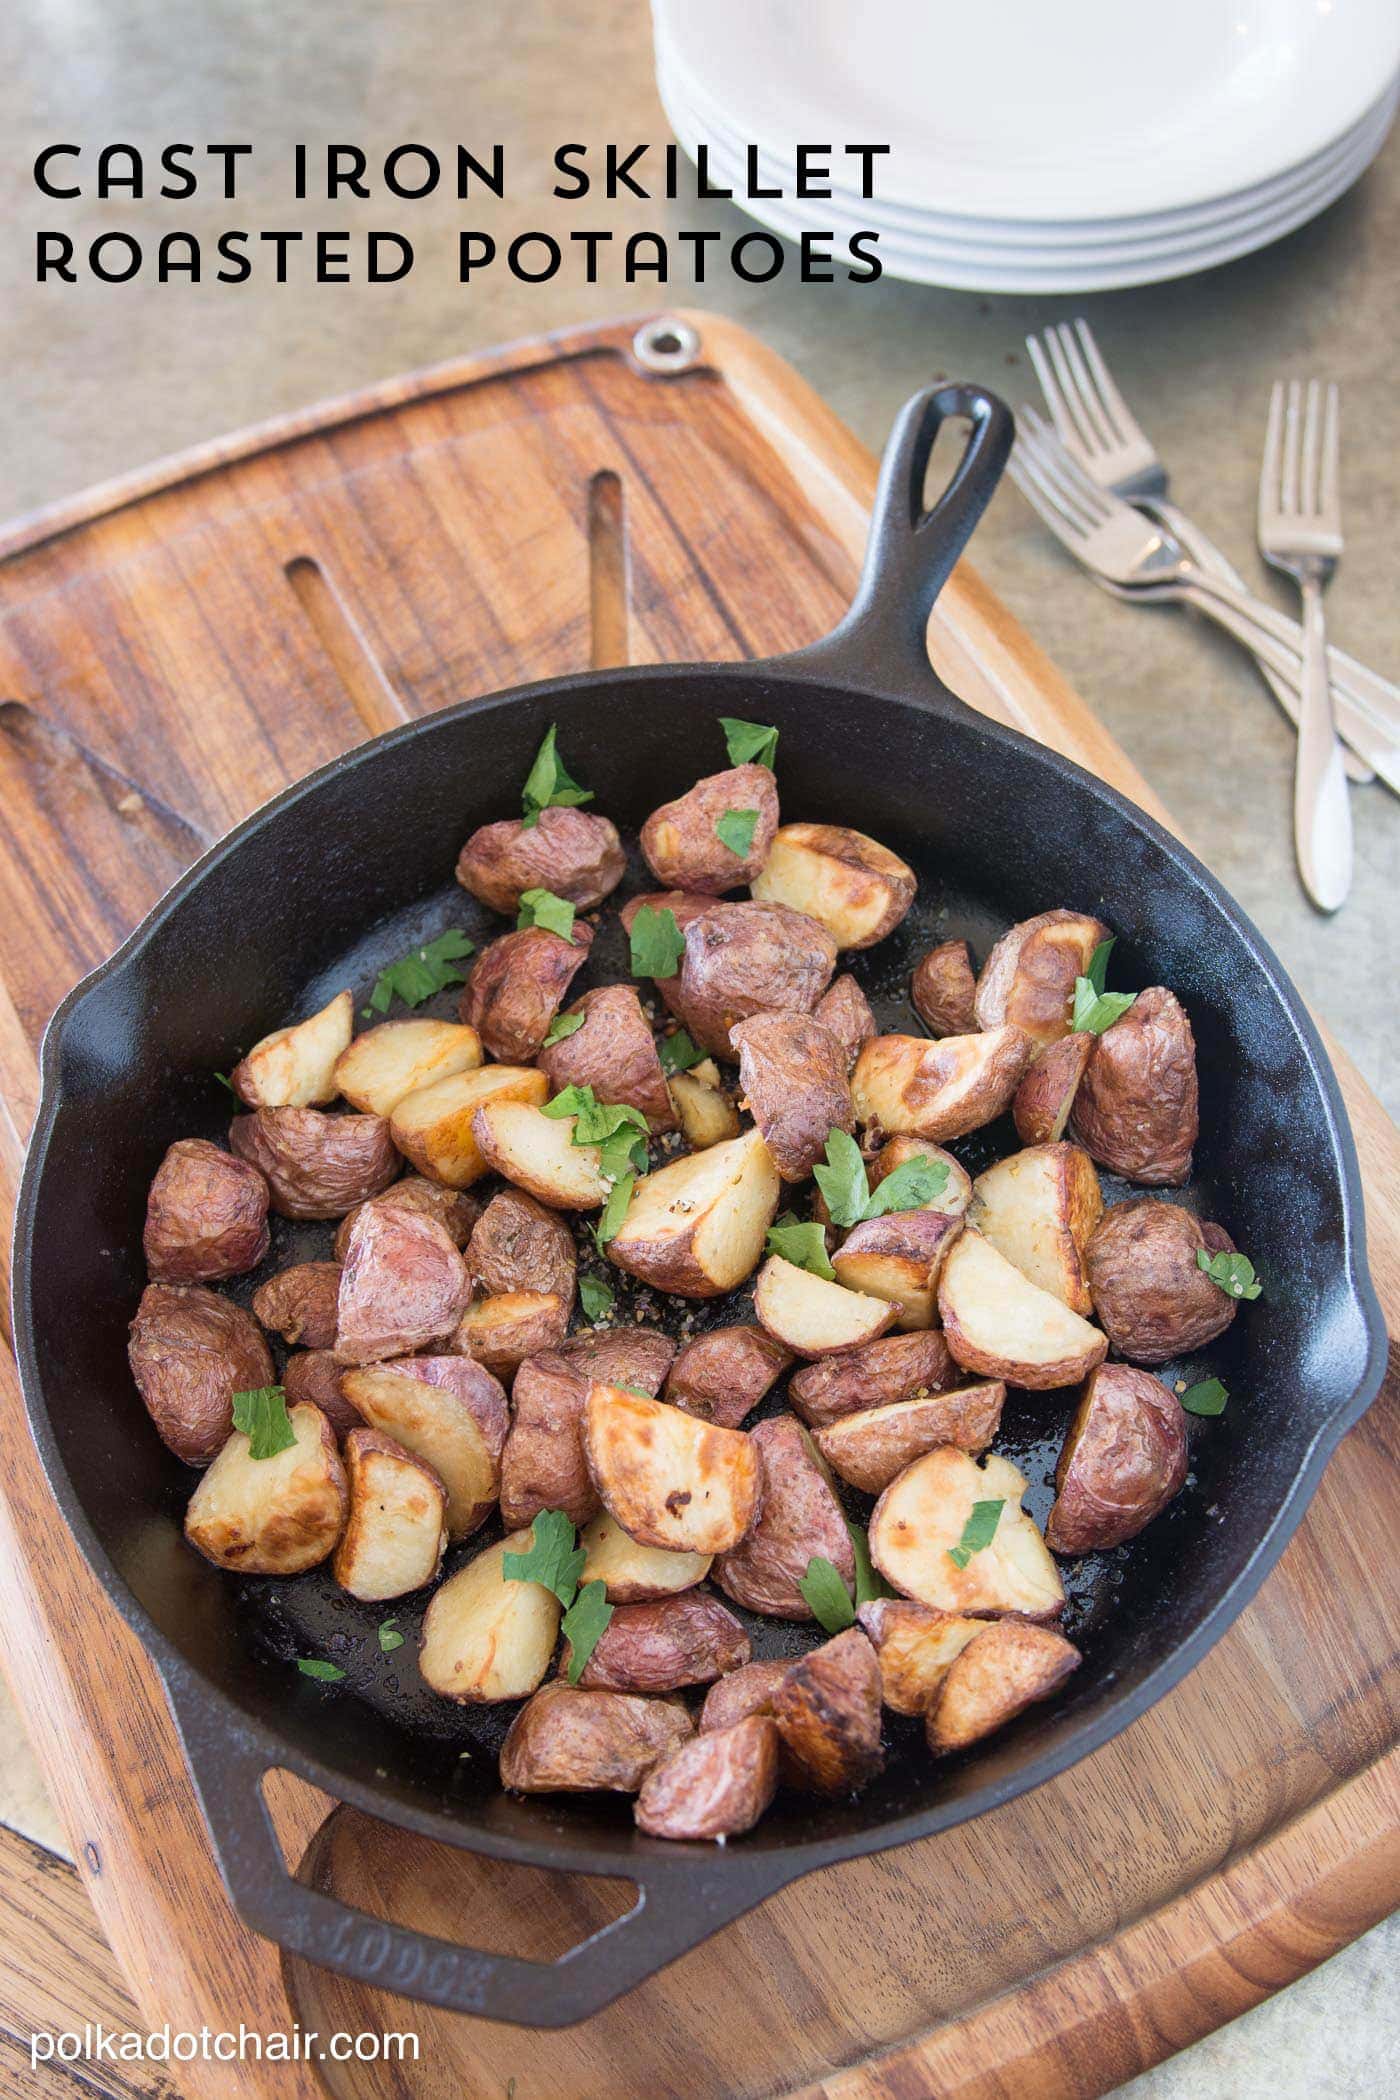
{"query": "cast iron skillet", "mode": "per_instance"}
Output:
(342, 872)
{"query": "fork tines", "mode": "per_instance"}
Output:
(1052, 481)
(1090, 414)
(1300, 508)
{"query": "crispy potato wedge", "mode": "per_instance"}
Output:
(575, 1742)
(271, 1516)
(397, 1058)
(915, 1645)
(706, 1115)
(450, 1413)
(721, 1376)
(517, 986)
(793, 1074)
(314, 1375)
(1124, 1459)
(697, 1226)
(1148, 1289)
(634, 1574)
(501, 1332)
(812, 1317)
(898, 1367)
(854, 886)
(827, 1710)
(573, 852)
(663, 1645)
(898, 1258)
(844, 1009)
(799, 1516)
(1039, 1208)
(921, 1517)
(748, 1690)
(190, 1351)
(1000, 1325)
(1006, 1669)
(748, 958)
(487, 1638)
(716, 1785)
(402, 1285)
(518, 1244)
(944, 990)
(683, 848)
(956, 1192)
(454, 1209)
(904, 1083)
(1045, 1098)
(1137, 1111)
(315, 1165)
(295, 1067)
(433, 1128)
(1028, 979)
(667, 1479)
(544, 1466)
(300, 1303)
(872, 1447)
(615, 1053)
(206, 1215)
(396, 1531)
(537, 1152)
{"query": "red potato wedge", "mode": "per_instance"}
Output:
(433, 1128)
(501, 1332)
(812, 1317)
(315, 1165)
(190, 1351)
(922, 1515)
(1000, 1325)
(543, 1464)
(537, 1152)
(1124, 1459)
(634, 1356)
(944, 990)
(827, 1711)
(705, 1114)
(573, 852)
(453, 1209)
(634, 1574)
(748, 1690)
(663, 1645)
(396, 1532)
(295, 1067)
(667, 1479)
(1028, 979)
(575, 1742)
(721, 1376)
(397, 1058)
(1039, 1208)
(799, 1516)
(904, 1083)
(271, 1516)
(402, 1285)
(615, 1053)
(898, 1367)
(852, 884)
(487, 1638)
(314, 1375)
(749, 958)
(898, 1258)
(845, 1011)
(450, 1413)
(1044, 1100)
(872, 1447)
(792, 1072)
(517, 986)
(206, 1215)
(300, 1303)
(697, 1227)
(956, 1192)
(1148, 1289)
(916, 1646)
(518, 1244)
(682, 847)
(1137, 1111)
(1006, 1669)
(715, 1786)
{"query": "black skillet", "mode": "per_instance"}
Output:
(344, 871)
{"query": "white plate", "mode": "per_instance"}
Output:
(1045, 110)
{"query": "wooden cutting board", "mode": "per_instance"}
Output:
(176, 648)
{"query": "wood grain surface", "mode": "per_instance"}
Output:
(175, 649)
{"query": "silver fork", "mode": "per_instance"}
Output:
(1300, 532)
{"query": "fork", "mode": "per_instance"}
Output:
(1300, 533)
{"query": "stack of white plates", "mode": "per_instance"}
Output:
(1038, 145)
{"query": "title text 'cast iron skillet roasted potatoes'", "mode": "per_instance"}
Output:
(350, 870)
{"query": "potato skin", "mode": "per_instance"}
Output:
(749, 958)
(206, 1215)
(1124, 1459)
(543, 1466)
(299, 1303)
(658, 1647)
(518, 1244)
(747, 1690)
(615, 1053)
(1152, 1299)
(1137, 1111)
(637, 1356)
(944, 989)
(716, 1785)
(895, 1367)
(680, 843)
(454, 1209)
(314, 1375)
(403, 1285)
(317, 1166)
(573, 852)
(828, 1713)
(997, 1676)
(793, 1072)
(1028, 979)
(871, 1447)
(721, 1376)
(190, 1351)
(517, 986)
(564, 1741)
(845, 1010)
(798, 1516)
(1044, 1100)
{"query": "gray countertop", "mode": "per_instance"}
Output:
(102, 378)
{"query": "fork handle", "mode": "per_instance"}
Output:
(1375, 695)
(1321, 811)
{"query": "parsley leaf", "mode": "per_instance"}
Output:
(803, 1245)
(619, 1130)
(1231, 1273)
(1097, 972)
(327, 1673)
(614, 1210)
(543, 908)
(224, 1080)
(261, 1414)
(1094, 1012)
(828, 1599)
(1206, 1398)
(657, 943)
(563, 1025)
(389, 1636)
(548, 784)
(553, 1559)
(424, 971)
(979, 1530)
(909, 1186)
(596, 1296)
(678, 1053)
(583, 1626)
(735, 829)
(846, 1188)
(749, 741)
(869, 1585)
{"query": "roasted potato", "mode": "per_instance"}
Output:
(450, 1413)
(1006, 1669)
(667, 1479)
(271, 1516)
(574, 853)
(396, 1531)
(827, 1710)
(944, 990)
(658, 1647)
(614, 1053)
(1028, 979)
(742, 1692)
(799, 1516)
(1039, 1208)
(1045, 1098)
(575, 1742)
(683, 848)
(716, 1785)
(300, 1303)
(812, 1317)
(396, 1058)
(190, 1352)
(402, 1285)
(543, 1466)
(793, 1073)
(845, 1010)
(316, 1165)
(1137, 1108)
(956, 1192)
(921, 1517)
(898, 1367)
(870, 1448)
(633, 1574)
(904, 1083)
(854, 886)
(433, 1128)
(635, 1356)
(1124, 1459)
(1148, 1289)
(697, 1227)
(314, 1375)
(537, 1152)
(706, 1114)
(501, 1332)
(749, 958)
(915, 1645)
(1000, 1325)
(517, 986)
(486, 1637)
(206, 1215)
(295, 1067)
(898, 1258)
(721, 1376)
(520, 1245)
(454, 1209)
